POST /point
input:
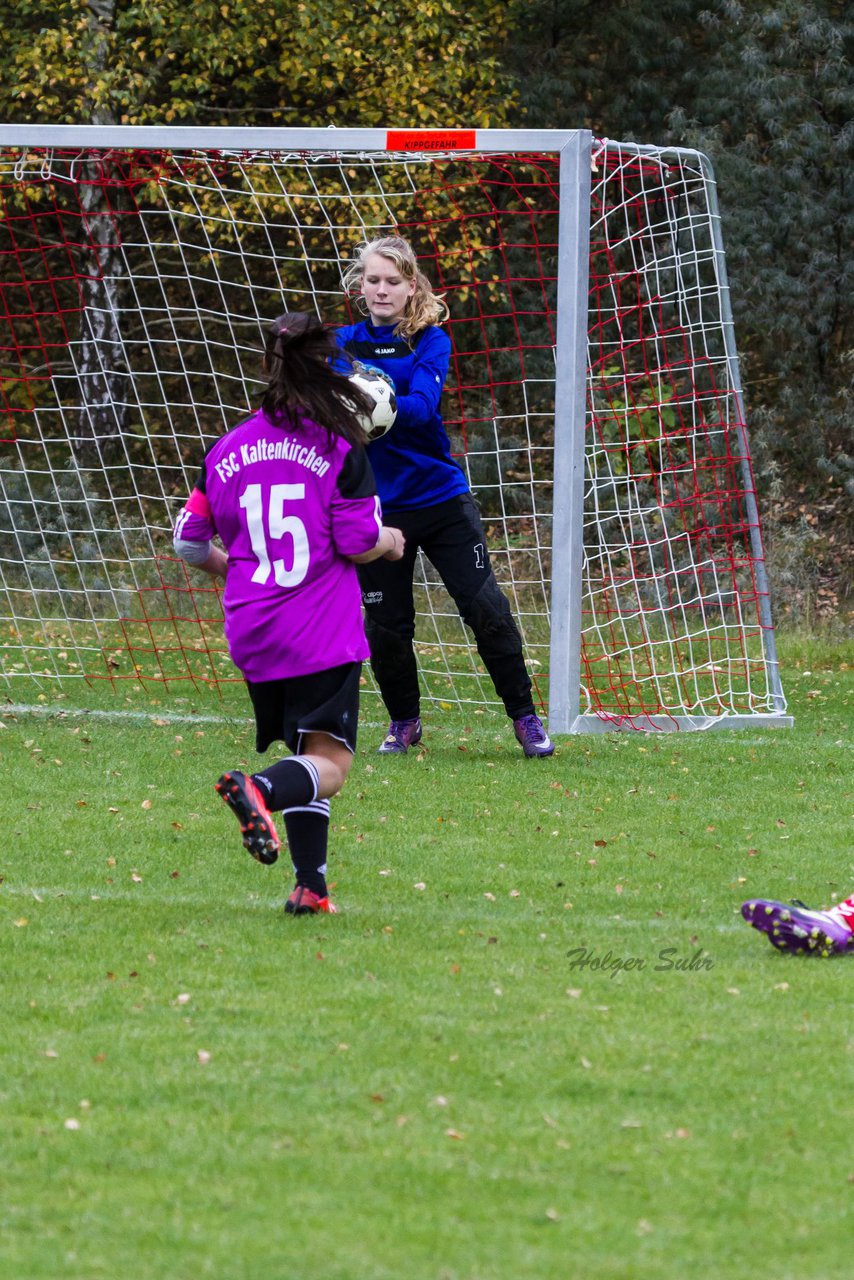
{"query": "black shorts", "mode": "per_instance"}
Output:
(323, 702)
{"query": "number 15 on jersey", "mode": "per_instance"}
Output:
(278, 525)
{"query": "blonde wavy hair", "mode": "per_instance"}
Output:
(424, 307)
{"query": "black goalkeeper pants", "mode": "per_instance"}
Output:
(451, 536)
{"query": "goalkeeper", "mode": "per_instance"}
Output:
(291, 494)
(425, 494)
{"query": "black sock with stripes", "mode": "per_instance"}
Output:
(308, 838)
(288, 784)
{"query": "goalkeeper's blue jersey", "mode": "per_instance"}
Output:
(412, 462)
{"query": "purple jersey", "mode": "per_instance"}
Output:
(290, 508)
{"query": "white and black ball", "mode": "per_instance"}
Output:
(378, 388)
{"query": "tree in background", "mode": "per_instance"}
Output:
(763, 86)
(766, 90)
(221, 62)
(774, 103)
(254, 62)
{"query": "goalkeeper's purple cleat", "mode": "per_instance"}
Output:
(402, 734)
(532, 737)
(791, 926)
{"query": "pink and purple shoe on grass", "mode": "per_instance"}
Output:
(790, 926)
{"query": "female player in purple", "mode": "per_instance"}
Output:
(291, 494)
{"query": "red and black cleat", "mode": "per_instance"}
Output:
(256, 825)
(303, 902)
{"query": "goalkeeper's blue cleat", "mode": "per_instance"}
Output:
(246, 802)
(402, 734)
(791, 926)
(532, 737)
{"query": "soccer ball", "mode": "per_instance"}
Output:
(378, 388)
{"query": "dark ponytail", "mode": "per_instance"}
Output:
(298, 361)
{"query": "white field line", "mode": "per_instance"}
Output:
(189, 717)
(255, 901)
(170, 717)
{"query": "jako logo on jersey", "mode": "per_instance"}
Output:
(384, 351)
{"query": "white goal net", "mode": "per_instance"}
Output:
(136, 280)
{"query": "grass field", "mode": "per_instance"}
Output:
(538, 1041)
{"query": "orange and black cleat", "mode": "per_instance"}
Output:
(303, 902)
(256, 825)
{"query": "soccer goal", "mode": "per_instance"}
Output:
(593, 401)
